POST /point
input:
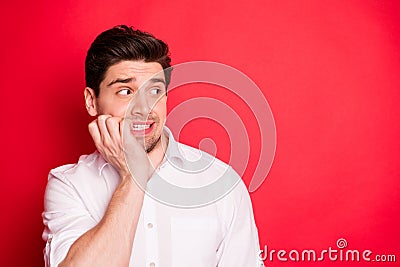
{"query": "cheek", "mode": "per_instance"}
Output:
(120, 110)
(112, 107)
(161, 110)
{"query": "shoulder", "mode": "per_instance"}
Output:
(84, 183)
(84, 177)
(89, 166)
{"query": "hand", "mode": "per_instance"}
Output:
(107, 132)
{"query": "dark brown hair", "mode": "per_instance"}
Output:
(123, 43)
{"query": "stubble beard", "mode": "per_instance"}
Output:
(152, 144)
(154, 141)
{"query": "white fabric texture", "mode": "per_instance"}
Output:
(221, 233)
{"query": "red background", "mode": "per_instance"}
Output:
(330, 72)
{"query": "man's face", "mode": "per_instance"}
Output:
(147, 111)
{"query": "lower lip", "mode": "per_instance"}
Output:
(143, 132)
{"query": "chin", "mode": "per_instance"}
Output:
(150, 147)
(152, 143)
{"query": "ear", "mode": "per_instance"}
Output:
(90, 101)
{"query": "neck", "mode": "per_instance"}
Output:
(157, 154)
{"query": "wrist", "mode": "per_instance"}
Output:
(128, 178)
(125, 174)
(128, 183)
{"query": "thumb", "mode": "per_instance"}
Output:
(131, 144)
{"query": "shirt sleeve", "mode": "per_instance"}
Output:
(240, 246)
(65, 218)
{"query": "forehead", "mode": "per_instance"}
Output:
(138, 70)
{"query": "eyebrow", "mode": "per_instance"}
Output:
(156, 80)
(119, 80)
(128, 80)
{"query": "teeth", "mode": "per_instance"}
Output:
(141, 126)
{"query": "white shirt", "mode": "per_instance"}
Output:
(217, 228)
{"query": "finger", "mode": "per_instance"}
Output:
(94, 132)
(101, 122)
(122, 125)
(130, 143)
(112, 125)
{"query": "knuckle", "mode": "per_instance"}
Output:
(110, 121)
(114, 120)
(91, 127)
(103, 117)
(106, 142)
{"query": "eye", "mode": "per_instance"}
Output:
(125, 92)
(155, 91)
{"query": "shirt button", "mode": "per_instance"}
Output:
(152, 264)
(150, 225)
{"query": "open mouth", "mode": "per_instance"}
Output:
(142, 128)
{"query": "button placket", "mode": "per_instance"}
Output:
(150, 232)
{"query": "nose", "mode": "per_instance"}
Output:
(139, 104)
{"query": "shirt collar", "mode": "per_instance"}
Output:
(172, 155)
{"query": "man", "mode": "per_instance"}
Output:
(105, 210)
